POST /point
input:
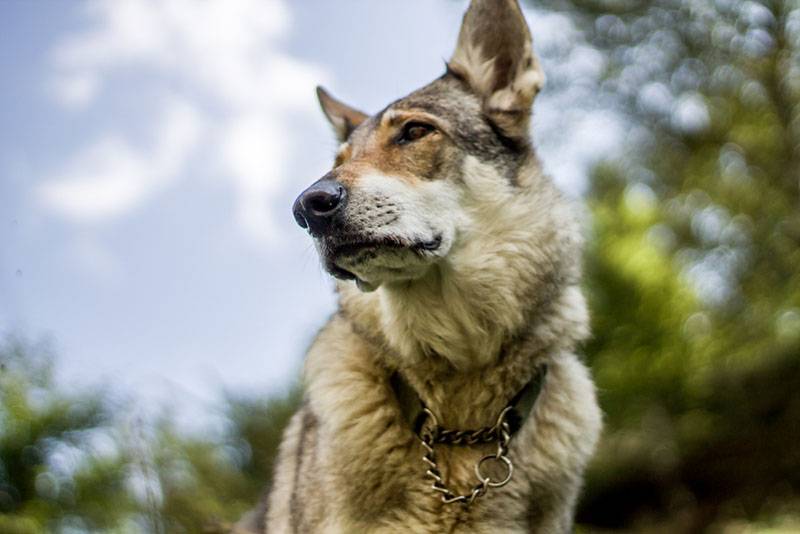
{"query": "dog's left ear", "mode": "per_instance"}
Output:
(342, 117)
(494, 55)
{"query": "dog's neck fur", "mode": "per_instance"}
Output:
(497, 304)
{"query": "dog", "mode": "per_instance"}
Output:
(445, 394)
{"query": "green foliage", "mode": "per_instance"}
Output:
(692, 271)
(45, 480)
(72, 462)
(207, 484)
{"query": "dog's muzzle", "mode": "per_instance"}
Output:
(317, 207)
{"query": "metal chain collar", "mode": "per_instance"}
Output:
(432, 434)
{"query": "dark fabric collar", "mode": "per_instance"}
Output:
(412, 406)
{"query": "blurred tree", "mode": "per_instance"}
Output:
(693, 267)
(77, 463)
(208, 484)
(55, 471)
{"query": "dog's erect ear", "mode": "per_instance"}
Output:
(494, 55)
(343, 118)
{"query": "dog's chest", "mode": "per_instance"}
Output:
(397, 495)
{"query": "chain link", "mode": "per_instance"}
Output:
(433, 434)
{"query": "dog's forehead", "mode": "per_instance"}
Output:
(458, 110)
(444, 98)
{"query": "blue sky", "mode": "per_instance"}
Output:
(150, 151)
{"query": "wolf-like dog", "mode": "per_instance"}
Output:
(458, 271)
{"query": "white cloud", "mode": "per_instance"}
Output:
(76, 90)
(104, 180)
(110, 177)
(227, 60)
(254, 164)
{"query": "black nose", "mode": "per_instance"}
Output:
(316, 207)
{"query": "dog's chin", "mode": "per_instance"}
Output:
(371, 262)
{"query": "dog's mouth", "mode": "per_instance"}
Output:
(353, 250)
(342, 248)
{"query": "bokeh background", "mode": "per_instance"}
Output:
(156, 296)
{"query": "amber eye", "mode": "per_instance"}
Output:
(413, 131)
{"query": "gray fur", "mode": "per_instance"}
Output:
(468, 267)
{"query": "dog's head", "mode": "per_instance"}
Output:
(412, 182)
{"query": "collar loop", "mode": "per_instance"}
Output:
(426, 426)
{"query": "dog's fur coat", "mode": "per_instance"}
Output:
(467, 265)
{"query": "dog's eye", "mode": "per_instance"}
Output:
(413, 131)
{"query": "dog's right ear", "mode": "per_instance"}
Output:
(342, 117)
(494, 56)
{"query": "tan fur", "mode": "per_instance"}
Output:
(495, 54)
(367, 475)
(376, 152)
(342, 117)
(466, 324)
